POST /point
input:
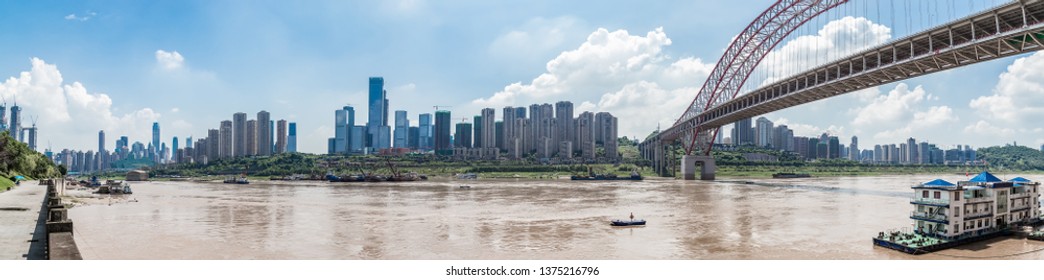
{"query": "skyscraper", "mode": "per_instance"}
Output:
(442, 130)
(834, 144)
(281, 136)
(509, 129)
(271, 137)
(413, 140)
(378, 112)
(911, 156)
(564, 123)
(462, 135)
(477, 128)
(225, 139)
(155, 135)
(426, 132)
(743, 133)
(763, 133)
(251, 138)
(344, 120)
(239, 133)
(402, 129)
(101, 140)
(291, 138)
(853, 147)
(606, 130)
(488, 135)
(213, 144)
(16, 121)
(174, 149)
(264, 132)
(585, 135)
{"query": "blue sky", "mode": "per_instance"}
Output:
(119, 65)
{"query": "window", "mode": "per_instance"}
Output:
(956, 197)
(924, 194)
(980, 223)
(937, 195)
(956, 213)
(955, 229)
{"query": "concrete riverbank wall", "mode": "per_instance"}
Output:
(58, 227)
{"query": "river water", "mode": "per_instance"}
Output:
(817, 218)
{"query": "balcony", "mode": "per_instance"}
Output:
(982, 199)
(930, 201)
(935, 218)
(977, 215)
(1019, 207)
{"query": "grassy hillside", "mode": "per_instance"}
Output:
(17, 159)
(1012, 157)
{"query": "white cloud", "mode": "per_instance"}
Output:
(614, 72)
(982, 127)
(801, 129)
(169, 60)
(68, 113)
(537, 39)
(1018, 98)
(897, 105)
(175, 110)
(85, 17)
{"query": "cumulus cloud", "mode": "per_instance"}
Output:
(615, 72)
(169, 60)
(1018, 98)
(68, 113)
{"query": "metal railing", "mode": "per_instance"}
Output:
(935, 217)
(930, 201)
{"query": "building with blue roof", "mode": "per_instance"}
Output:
(984, 203)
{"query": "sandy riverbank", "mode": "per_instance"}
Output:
(78, 196)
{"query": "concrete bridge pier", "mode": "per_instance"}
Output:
(707, 167)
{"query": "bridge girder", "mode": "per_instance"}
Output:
(739, 61)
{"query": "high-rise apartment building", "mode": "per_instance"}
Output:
(225, 140)
(251, 138)
(281, 136)
(763, 133)
(488, 135)
(585, 135)
(853, 147)
(564, 126)
(239, 134)
(442, 130)
(264, 132)
(462, 136)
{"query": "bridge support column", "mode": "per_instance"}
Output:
(707, 167)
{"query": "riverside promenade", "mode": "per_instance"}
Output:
(21, 222)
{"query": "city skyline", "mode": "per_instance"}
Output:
(569, 54)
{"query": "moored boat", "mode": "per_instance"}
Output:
(624, 223)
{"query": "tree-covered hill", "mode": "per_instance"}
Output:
(1012, 157)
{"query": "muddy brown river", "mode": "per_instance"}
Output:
(817, 218)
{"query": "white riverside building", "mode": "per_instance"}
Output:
(969, 208)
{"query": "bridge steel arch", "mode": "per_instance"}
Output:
(739, 61)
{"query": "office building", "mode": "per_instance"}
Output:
(425, 132)
(402, 129)
(291, 138)
(378, 113)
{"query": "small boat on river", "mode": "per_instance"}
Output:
(624, 223)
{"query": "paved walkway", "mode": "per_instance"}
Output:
(19, 213)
